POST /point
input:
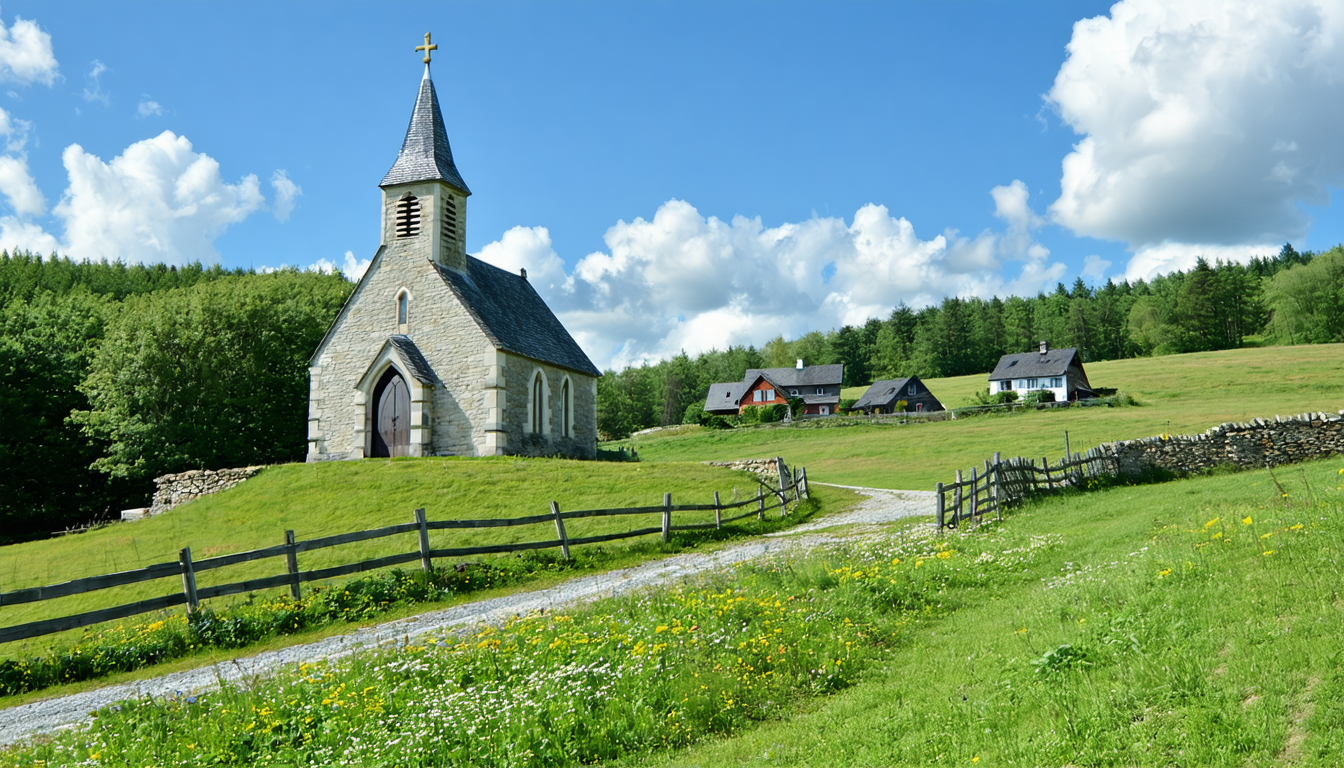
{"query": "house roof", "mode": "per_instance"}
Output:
(723, 397)
(514, 317)
(410, 356)
(814, 376)
(1034, 364)
(425, 154)
(882, 392)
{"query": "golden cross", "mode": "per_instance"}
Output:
(426, 48)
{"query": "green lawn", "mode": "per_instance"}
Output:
(1179, 394)
(322, 499)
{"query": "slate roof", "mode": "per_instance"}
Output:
(723, 397)
(814, 376)
(1034, 364)
(882, 392)
(425, 154)
(514, 317)
(410, 356)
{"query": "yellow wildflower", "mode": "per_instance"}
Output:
(1211, 523)
(945, 554)
(1246, 520)
(1267, 552)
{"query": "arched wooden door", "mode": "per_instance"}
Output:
(392, 416)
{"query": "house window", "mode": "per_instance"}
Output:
(1031, 384)
(1057, 382)
(757, 396)
(793, 392)
(538, 404)
(769, 395)
(821, 391)
(566, 407)
(402, 301)
(408, 216)
(910, 390)
(825, 410)
(1006, 386)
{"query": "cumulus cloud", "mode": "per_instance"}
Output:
(148, 107)
(25, 54)
(158, 201)
(683, 281)
(93, 90)
(1162, 258)
(1095, 267)
(1205, 125)
(19, 188)
(286, 195)
(352, 269)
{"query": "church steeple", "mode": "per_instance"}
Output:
(425, 154)
(424, 197)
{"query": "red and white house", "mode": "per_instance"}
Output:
(818, 386)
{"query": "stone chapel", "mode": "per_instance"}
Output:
(437, 353)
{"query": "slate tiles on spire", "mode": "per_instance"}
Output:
(425, 154)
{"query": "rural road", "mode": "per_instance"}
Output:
(879, 506)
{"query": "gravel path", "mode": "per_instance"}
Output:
(880, 506)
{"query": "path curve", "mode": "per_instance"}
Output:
(880, 506)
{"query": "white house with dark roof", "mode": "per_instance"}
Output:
(435, 352)
(1057, 370)
(818, 386)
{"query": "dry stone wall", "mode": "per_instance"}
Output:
(185, 486)
(768, 470)
(1256, 443)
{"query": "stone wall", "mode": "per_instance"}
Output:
(185, 486)
(1252, 444)
(768, 470)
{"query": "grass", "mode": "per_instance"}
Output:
(322, 499)
(1179, 394)
(1187, 623)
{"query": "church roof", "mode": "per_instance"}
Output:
(425, 154)
(410, 356)
(514, 317)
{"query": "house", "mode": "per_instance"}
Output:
(435, 352)
(1058, 370)
(883, 396)
(818, 386)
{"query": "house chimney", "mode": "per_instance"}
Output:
(800, 364)
(1045, 347)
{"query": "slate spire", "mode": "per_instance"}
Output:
(425, 154)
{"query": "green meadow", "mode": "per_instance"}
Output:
(1193, 622)
(1178, 394)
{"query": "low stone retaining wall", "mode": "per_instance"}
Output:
(185, 486)
(767, 469)
(1256, 443)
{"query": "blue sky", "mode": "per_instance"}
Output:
(688, 175)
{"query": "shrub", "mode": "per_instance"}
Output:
(719, 422)
(1036, 397)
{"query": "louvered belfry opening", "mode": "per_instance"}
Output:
(408, 216)
(449, 219)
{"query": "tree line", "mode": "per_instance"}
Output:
(113, 374)
(1288, 298)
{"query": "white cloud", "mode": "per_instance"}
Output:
(158, 201)
(684, 281)
(19, 235)
(1162, 258)
(15, 131)
(286, 193)
(1205, 124)
(1095, 267)
(95, 92)
(352, 269)
(18, 187)
(25, 54)
(148, 107)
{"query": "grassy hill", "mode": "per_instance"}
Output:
(1178, 394)
(323, 499)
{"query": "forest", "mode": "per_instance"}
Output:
(113, 374)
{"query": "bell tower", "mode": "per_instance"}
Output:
(424, 196)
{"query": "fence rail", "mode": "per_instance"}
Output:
(1001, 482)
(791, 481)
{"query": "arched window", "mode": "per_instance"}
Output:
(567, 409)
(538, 404)
(403, 309)
(408, 216)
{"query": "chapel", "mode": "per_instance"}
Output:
(437, 353)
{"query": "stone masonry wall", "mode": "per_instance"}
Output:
(766, 469)
(1256, 443)
(185, 486)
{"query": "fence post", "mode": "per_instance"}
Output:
(956, 500)
(807, 487)
(1049, 483)
(564, 540)
(718, 512)
(998, 486)
(797, 494)
(667, 517)
(188, 579)
(760, 503)
(975, 497)
(942, 520)
(292, 562)
(425, 564)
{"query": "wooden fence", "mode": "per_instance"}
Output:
(793, 488)
(1000, 482)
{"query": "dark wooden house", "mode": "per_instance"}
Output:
(886, 397)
